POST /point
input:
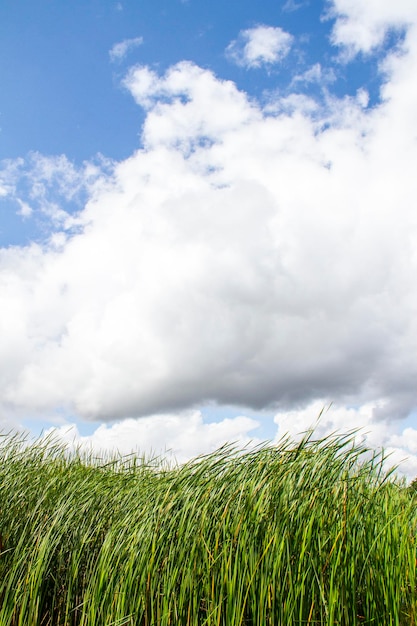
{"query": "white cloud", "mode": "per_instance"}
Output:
(262, 45)
(362, 25)
(239, 257)
(121, 49)
(249, 256)
(188, 106)
(178, 437)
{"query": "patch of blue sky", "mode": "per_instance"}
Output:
(59, 94)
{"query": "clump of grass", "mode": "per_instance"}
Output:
(314, 533)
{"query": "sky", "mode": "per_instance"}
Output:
(208, 230)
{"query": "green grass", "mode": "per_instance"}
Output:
(314, 533)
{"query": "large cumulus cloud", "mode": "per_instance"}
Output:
(247, 254)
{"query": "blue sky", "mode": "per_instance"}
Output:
(207, 229)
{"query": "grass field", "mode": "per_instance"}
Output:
(314, 533)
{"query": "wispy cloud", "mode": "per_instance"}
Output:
(262, 45)
(315, 74)
(51, 188)
(293, 5)
(25, 209)
(120, 50)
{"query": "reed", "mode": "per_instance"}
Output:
(313, 533)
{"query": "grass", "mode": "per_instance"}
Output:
(314, 533)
